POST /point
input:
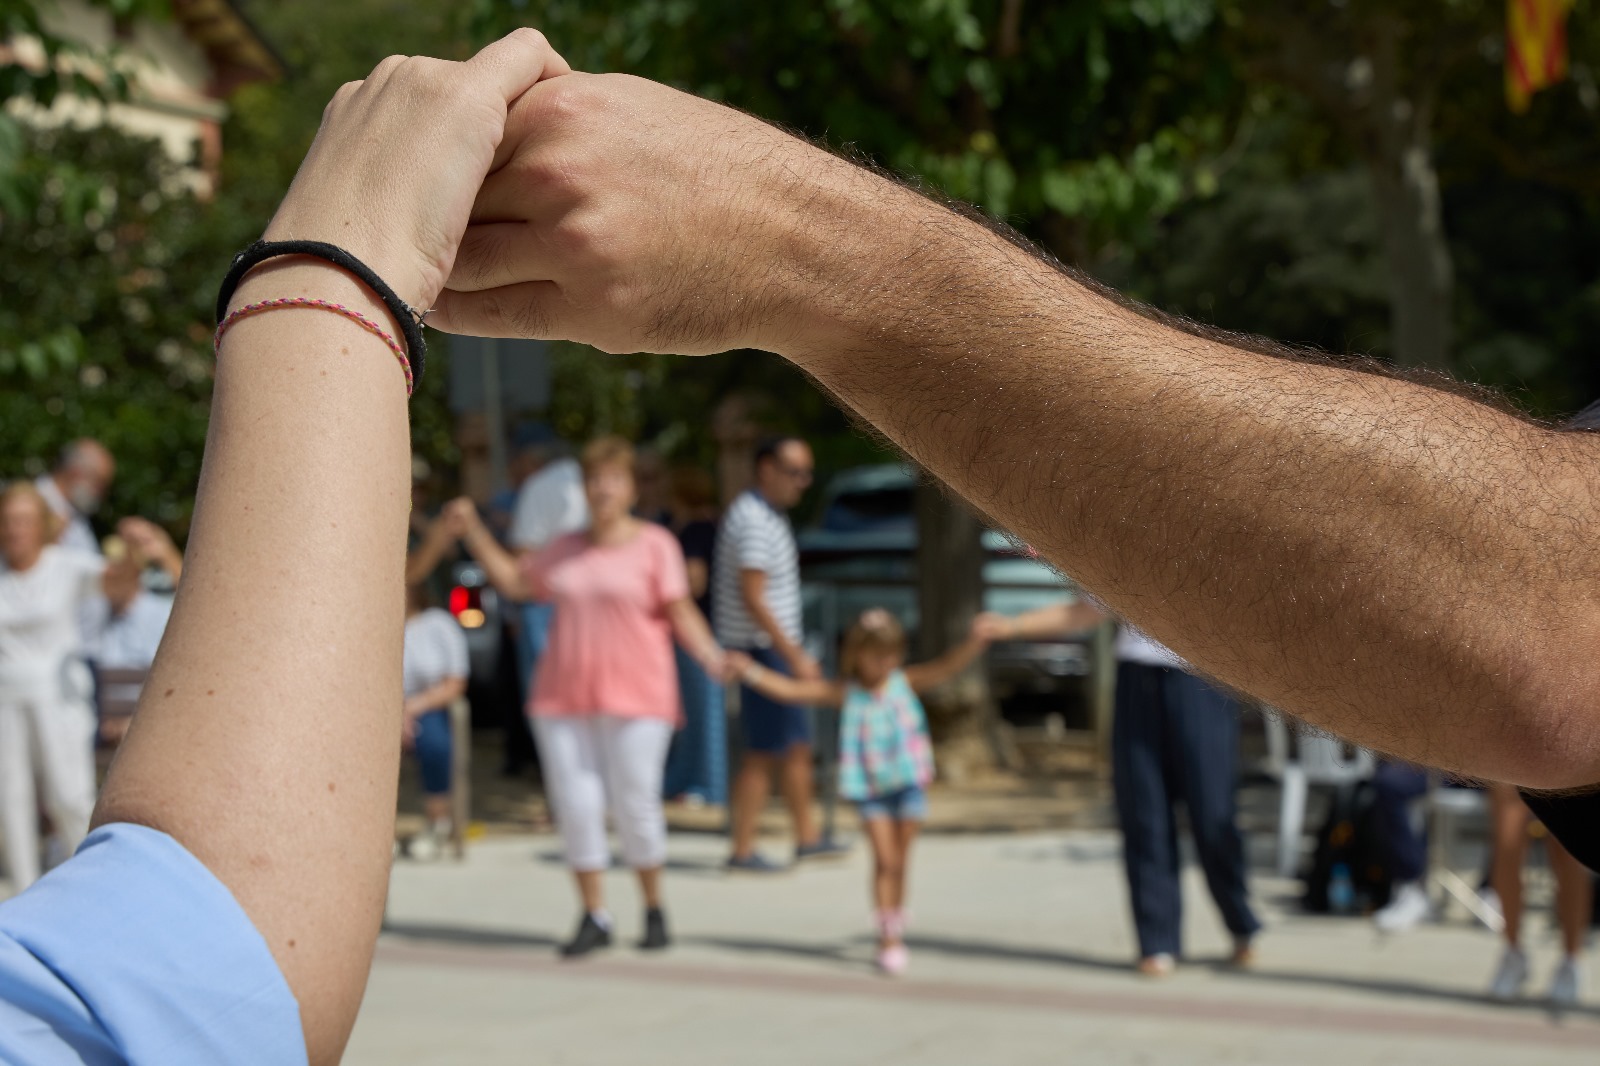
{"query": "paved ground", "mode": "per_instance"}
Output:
(1020, 955)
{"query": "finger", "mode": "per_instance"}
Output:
(530, 116)
(534, 309)
(517, 61)
(499, 254)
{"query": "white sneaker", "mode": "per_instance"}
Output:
(1491, 901)
(426, 846)
(1408, 908)
(1509, 976)
(1566, 987)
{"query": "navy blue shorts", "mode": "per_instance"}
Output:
(770, 727)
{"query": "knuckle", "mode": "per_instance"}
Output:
(389, 64)
(530, 36)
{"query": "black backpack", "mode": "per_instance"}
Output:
(1349, 839)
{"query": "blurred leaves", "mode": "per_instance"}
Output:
(105, 328)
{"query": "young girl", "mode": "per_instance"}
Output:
(885, 758)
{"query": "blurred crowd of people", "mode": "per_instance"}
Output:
(637, 606)
(80, 621)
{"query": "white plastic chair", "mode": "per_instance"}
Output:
(1317, 760)
(1447, 807)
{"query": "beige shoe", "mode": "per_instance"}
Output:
(1160, 965)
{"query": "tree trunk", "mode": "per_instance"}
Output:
(1405, 187)
(950, 556)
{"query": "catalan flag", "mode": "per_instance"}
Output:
(1536, 48)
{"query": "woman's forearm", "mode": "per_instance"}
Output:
(693, 633)
(284, 713)
(423, 561)
(436, 696)
(267, 738)
(499, 565)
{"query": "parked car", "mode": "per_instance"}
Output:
(861, 553)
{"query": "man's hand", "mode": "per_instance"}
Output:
(803, 666)
(633, 217)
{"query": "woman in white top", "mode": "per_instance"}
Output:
(46, 721)
(434, 670)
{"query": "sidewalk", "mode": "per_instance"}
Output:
(1021, 951)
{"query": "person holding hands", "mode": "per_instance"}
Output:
(605, 698)
(885, 755)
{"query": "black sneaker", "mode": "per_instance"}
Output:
(590, 936)
(655, 930)
(754, 863)
(826, 848)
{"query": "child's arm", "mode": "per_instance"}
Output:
(816, 691)
(986, 629)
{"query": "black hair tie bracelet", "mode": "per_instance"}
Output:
(410, 318)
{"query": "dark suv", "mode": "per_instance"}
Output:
(861, 553)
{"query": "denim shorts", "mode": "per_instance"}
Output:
(907, 805)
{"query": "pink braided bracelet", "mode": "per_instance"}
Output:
(322, 305)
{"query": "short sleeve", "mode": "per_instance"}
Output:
(671, 574)
(133, 951)
(453, 643)
(751, 546)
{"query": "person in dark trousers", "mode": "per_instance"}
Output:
(1396, 787)
(697, 766)
(1174, 739)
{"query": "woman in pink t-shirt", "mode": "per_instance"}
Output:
(605, 696)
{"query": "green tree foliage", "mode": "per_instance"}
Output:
(105, 325)
(1079, 123)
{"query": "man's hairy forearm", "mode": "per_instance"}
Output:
(1399, 564)
(1394, 562)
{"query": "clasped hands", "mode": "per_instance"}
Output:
(514, 197)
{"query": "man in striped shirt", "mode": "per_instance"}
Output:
(756, 606)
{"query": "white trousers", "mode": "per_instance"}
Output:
(46, 751)
(597, 761)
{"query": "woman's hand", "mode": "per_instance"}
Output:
(400, 156)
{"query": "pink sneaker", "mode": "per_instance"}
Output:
(894, 959)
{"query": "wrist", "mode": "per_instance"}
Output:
(398, 267)
(839, 276)
(299, 275)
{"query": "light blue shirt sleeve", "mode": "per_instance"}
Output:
(133, 952)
